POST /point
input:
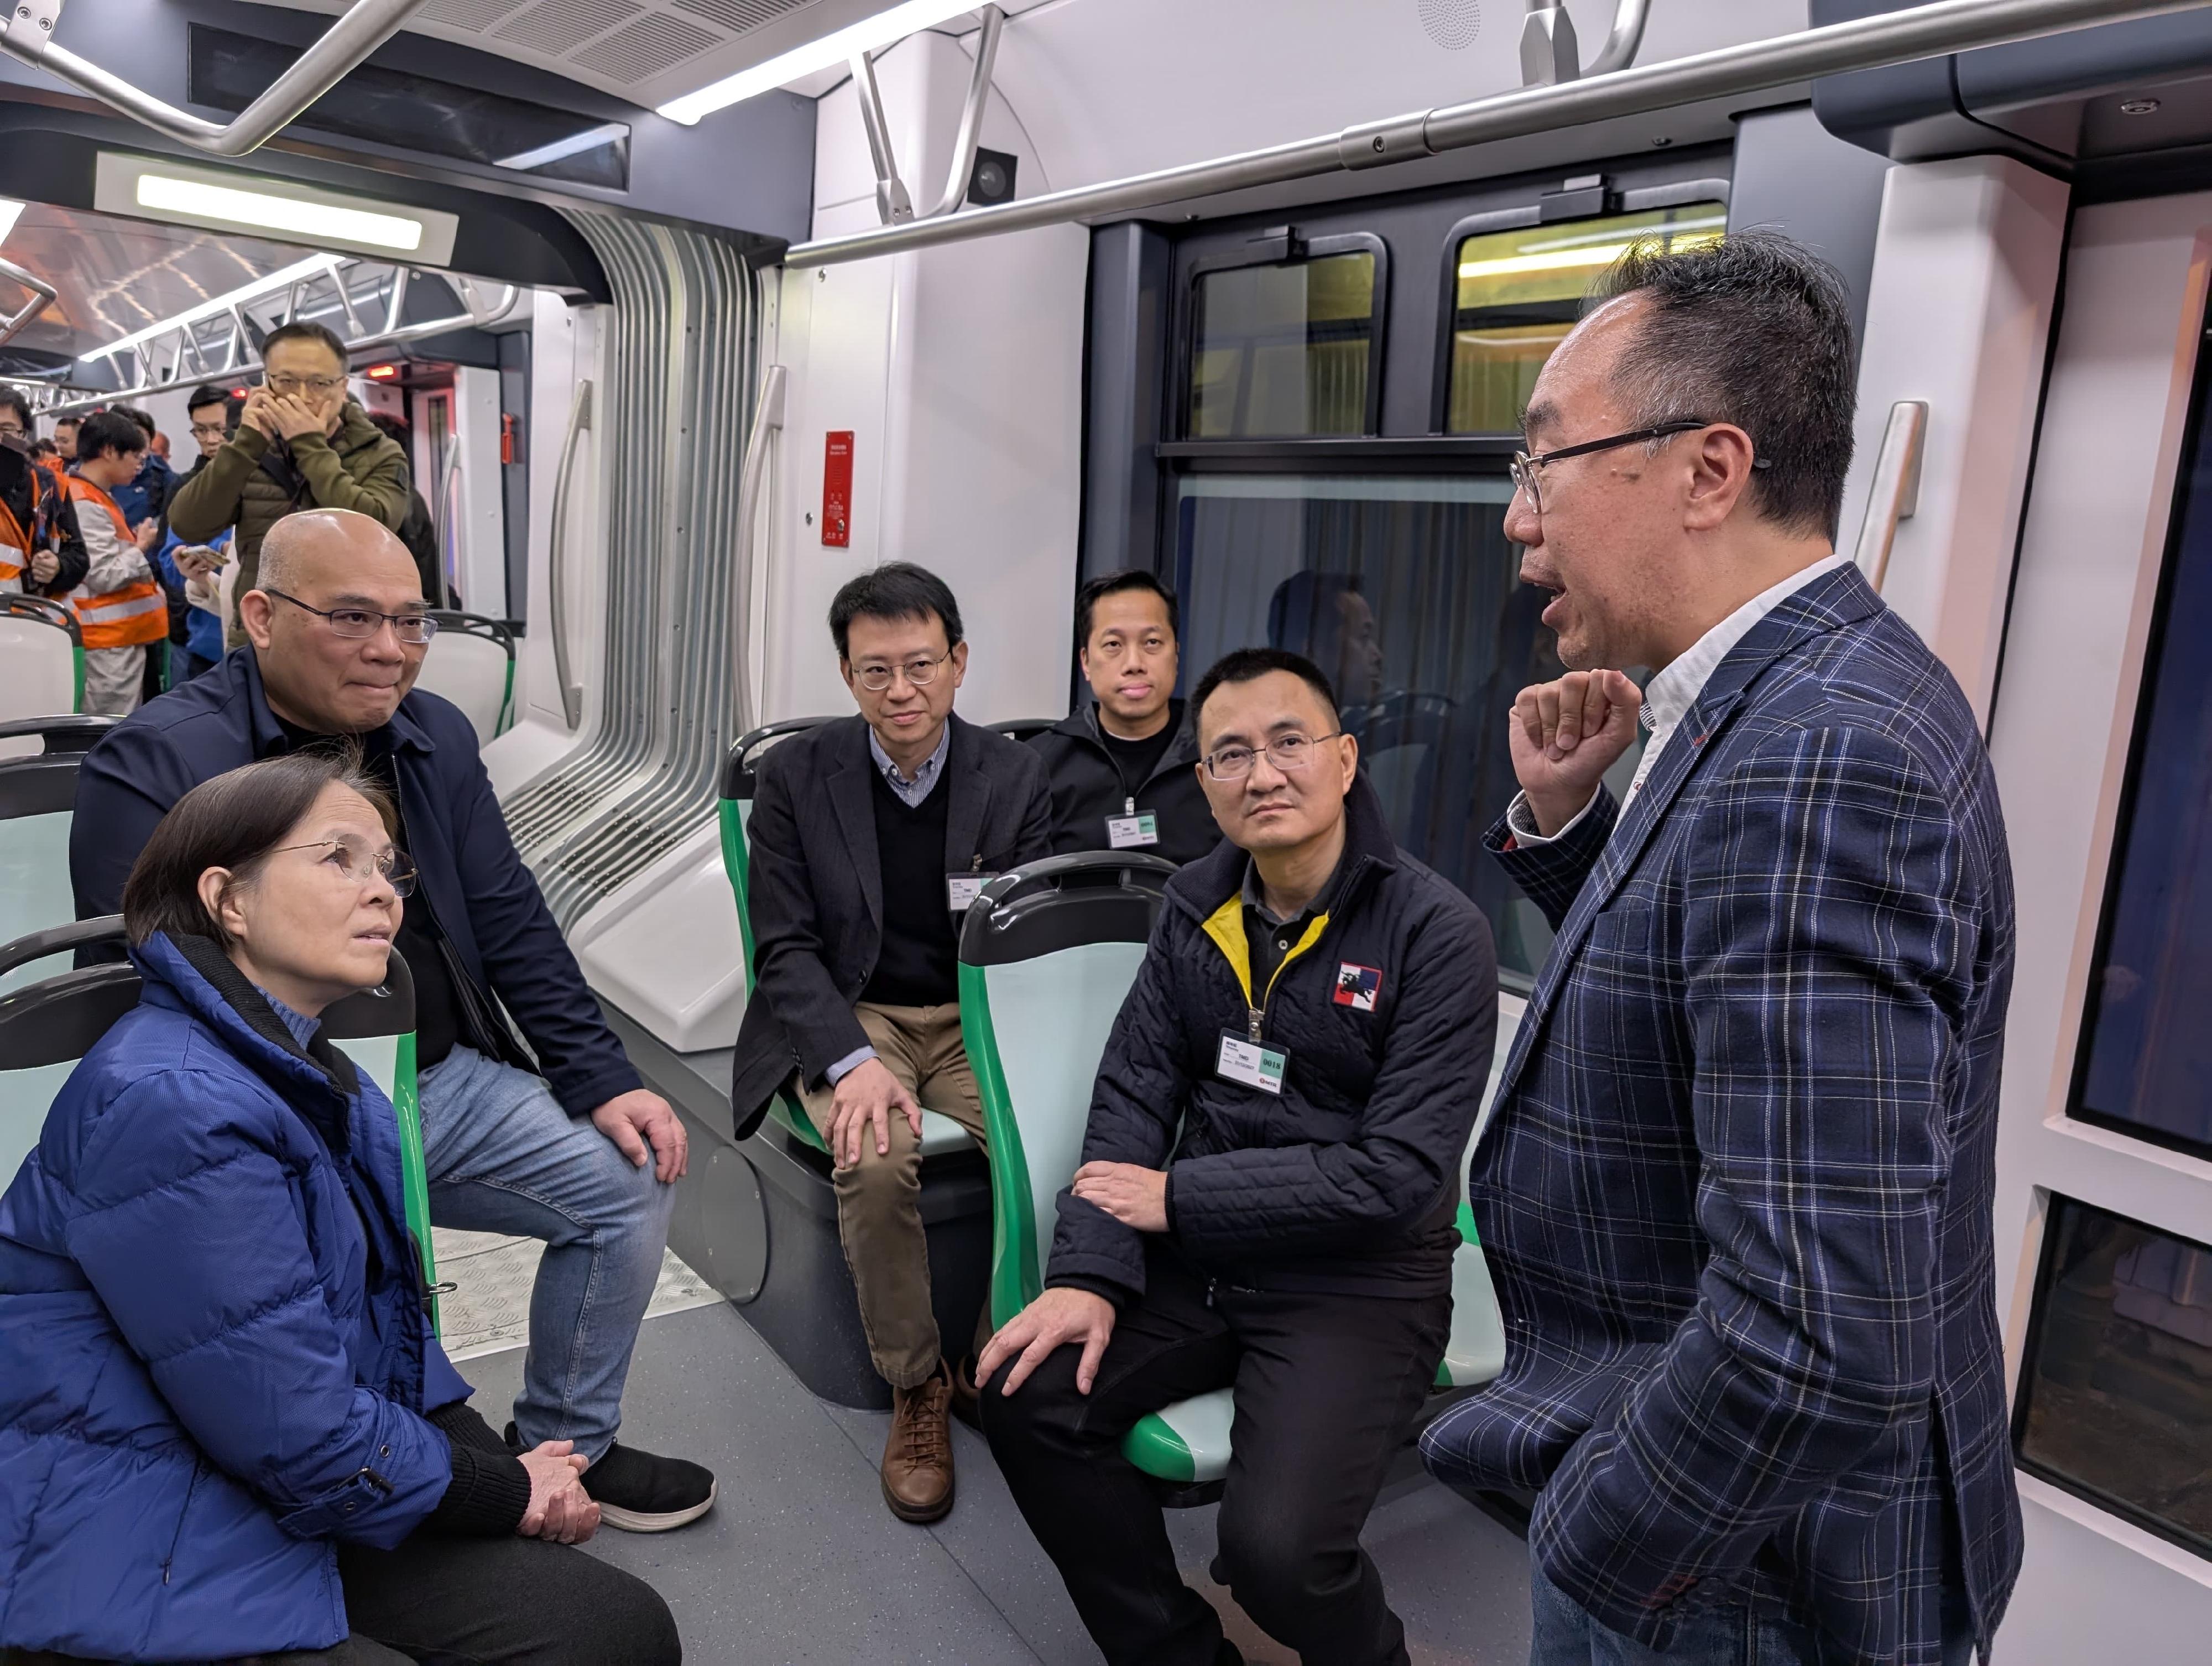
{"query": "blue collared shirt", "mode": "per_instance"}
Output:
(911, 792)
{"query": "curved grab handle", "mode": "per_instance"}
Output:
(42, 295)
(971, 116)
(580, 418)
(29, 36)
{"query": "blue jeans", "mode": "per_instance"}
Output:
(1729, 1635)
(503, 1156)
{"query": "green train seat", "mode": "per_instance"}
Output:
(37, 796)
(470, 662)
(41, 656)
(1047, 957)
(734, 806)
(47, 1025)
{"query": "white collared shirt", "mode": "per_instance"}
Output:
(1669, 695)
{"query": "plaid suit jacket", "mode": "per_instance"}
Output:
(1735, 1190)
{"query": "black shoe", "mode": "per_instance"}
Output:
(639, 1492)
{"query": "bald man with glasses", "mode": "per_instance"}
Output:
(868, 839)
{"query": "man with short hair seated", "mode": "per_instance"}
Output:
(868, 839)
(1266, 1201)
(560, 1142)
(1122, 768)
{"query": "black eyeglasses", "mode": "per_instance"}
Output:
(360, 622)
(1523, 468)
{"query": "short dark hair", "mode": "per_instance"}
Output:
(896, 590)
(44, 448)
(1753, 330)
(72, 421)
(302, 328)
(236, 820)
(206, 394)
(388, 425)
(141, 417)
(1246, 664)
(1113, 584)
(106, 431)
(12, 396)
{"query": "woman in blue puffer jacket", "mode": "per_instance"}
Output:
(226, 1429)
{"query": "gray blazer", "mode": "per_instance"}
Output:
(816, 886)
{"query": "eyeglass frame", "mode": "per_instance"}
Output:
(1523, 469)
(1269, 749)
(904, 668)
(292, 385)
(403, 885)
(429, 625)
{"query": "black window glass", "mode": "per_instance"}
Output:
(2116, 1394)
(1521, 291)
(2147, 1068)
(1406, 593)
(1282, 349)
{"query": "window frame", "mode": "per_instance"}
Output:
(2197, 448)
(2049, 1204)
(1645, 200)
(1282, 248)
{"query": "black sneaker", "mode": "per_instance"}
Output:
(639, 1492)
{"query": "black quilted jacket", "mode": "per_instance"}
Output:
(1348, 1181)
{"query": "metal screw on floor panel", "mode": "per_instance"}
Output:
(2137, 107)
(1661, 142)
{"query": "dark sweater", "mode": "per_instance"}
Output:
(918, 966)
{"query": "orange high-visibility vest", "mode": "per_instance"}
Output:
(136, 613)
(15, 552)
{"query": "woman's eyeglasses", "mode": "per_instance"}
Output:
(358, 863)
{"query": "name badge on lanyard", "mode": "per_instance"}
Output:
(1250, 1063)
(1129, 832)
(960, 890)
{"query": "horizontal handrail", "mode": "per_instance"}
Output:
(29, 36)
(1867, 43)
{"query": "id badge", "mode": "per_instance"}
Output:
(1250, 1063)
(1127, 832)
(960, 890)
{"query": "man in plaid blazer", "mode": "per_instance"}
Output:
(1736, 1189)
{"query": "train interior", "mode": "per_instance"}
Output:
(693, 309)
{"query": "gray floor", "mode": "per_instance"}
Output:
(801, 1562)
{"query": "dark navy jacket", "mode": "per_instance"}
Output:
(1347, 1181)
(1736, 1191)
(487, 905)
(213, 1352)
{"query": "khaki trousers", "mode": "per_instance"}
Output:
(114, 680)
(879, 1198)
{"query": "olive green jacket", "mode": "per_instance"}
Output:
(356, 468)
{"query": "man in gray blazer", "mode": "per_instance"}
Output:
(869, 838)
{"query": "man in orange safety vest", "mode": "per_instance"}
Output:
(120, 607)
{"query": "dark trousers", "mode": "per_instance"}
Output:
(475, 1602)
(1326, 1387)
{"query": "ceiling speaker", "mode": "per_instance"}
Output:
(991, 181)
(1452, 24)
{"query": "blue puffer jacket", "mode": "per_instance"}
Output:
(214, 1356)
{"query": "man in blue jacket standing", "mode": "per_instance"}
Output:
(568, 1147)
(1735, 1190)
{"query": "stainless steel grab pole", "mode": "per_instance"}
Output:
(1868, 43)
(42, 295)
(321, 67)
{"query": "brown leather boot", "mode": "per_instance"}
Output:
(918, 1456)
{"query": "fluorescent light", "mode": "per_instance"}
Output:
(312, 267)
(1601, 254)
(864, 36)
(10, 209)
(263, 212)
(590, 139)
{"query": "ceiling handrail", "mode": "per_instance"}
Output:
(43, 295)
(29, 36)
(1756, 66)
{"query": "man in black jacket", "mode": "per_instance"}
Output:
(1316, 1013)
(560, 1141)
(1124, 770)
(868, 839)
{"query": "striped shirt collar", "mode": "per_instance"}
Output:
(911, 792)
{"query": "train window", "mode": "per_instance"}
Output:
(1405, 591)
(2147, 1050)
(2115, 1402)
(1285, 348)
(1521, 291)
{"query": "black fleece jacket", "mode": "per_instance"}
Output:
(1088, 787)
(1348, 1182)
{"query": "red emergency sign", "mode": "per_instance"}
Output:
(837, 488)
